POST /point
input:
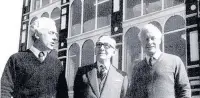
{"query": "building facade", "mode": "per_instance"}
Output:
(81, 22)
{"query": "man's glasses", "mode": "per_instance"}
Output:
(105, 45)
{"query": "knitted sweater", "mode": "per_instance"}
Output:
(25, 76)
(167, 78)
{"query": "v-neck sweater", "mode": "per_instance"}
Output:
(166, 78)
(26, 76)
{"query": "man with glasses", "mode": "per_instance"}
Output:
(101, 79)
(36, 73)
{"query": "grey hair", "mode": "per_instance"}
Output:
(146, 28)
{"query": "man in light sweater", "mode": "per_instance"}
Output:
(36, 73)
(159, 75)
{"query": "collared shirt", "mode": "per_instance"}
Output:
(36, 52)
(107, 66)
(154, 57)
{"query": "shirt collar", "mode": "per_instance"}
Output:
(155, 56)
(107, 65)
(36, 51)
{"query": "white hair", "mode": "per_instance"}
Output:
(42, 23)
(147, 28)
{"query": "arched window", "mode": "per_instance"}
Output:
(132, 8)
(89, 15)
(151, 6)
(87, 53)
(104, 14)
(55, 14)
(132, 49)
(170, 3)
(45, 2)
(175, 37)
(76, 17)
(73, 64)
(45, 14)
(33, 19)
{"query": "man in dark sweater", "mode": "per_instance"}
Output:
(36, 73)
(159, 75)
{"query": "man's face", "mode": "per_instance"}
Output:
(105, 48)
(48, 38)
(150, 42)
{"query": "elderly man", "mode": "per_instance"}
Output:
(101, 79)
(159, 75)
(36, 73)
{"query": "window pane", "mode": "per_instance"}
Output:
(104, 14)
(23, 38)
(76, 18)
(132, 49)
(194, 47)
(57, 24)
(175, 43)
(87, 53)
(170, 3)
(174, 23)
(36, 4)
(55, 13)
(63, 23)
(45, 2)
(152, 6)
(89, 15)
(64, 11)
(132, 9)
(73, 64)
(45, 15)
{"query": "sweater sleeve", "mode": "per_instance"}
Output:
(182, 85)
(7, 79)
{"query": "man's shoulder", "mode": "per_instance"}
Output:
(20, 54)
(123, 73)
(170, 56)
(87, 68)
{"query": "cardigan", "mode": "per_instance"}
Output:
(167, 78)
(25, 76)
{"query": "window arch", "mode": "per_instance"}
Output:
(45, 14)
(174, 22)
(76, 9)
(33, 19)
(89, 15)
(55, 13)
(157, 24)
(87, 53)
(132, 49)
(175, 37)
(73, 63)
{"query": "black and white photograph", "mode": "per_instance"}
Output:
(100, 49)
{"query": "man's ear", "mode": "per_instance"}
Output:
(37, 35)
